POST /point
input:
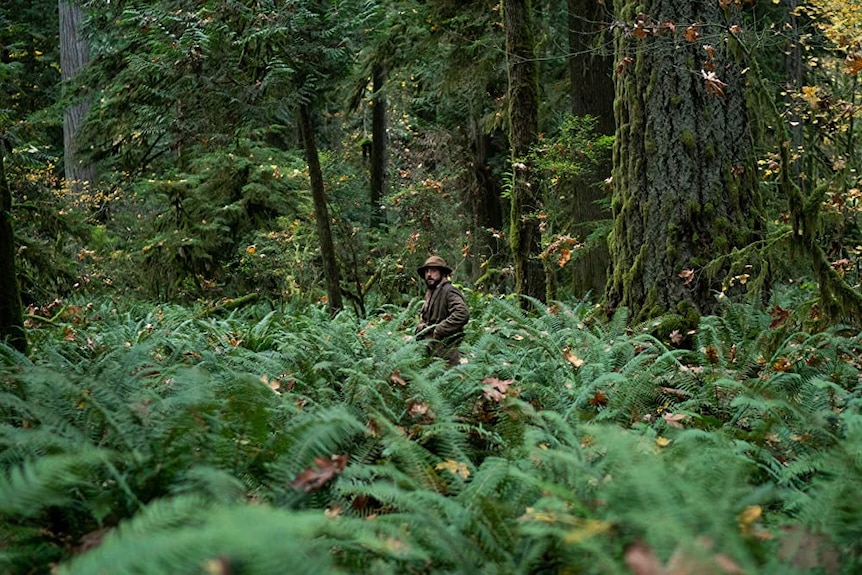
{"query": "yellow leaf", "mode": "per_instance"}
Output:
(589, 528)
(572, 358)
(455, 467)
(662, 441)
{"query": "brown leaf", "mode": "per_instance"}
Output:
(395, 377)
(779, 317)
(808, 550)
(621, 67)
(676, 337)
(687, 275)
(315, 476)
(599, 399)
(692, 33)
(782, 364)
(495, 389)
(854, 64)
(642, 560)
(714, 86)
(674, 419)
(421, 410)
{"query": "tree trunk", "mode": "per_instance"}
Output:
(321, 211)
(592, 93)
(74, 55)
(378, 145)
(684, 185)
(11, 318)
(485, 195)
(526, 203)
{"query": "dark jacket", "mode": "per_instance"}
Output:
(445, 313)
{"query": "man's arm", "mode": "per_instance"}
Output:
(458, 316)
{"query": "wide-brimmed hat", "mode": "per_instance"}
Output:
(434, 262)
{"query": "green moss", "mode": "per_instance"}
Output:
(688, 141)
(709, 151)
(708, 210)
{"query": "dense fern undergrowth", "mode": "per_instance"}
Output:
(143, 438)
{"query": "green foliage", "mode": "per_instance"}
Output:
(165, 439)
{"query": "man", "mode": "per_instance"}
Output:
(444, 313)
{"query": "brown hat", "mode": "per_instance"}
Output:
(434, 262)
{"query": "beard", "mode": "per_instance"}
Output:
(432, 283)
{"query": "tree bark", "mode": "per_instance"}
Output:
(684, 185)
(526, 202)
(484, 196)
(321, 211)
(378, 145)
(592, 93)
(11, 317)
(74, 55)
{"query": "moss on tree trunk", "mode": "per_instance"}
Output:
(684, 181)
(526, 204)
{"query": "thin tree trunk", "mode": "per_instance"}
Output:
(526, 201)
(74, 55)
(321, 211)
(11, 318)
(484, 194)
(592, 93)
(378, 145)
(685, 183)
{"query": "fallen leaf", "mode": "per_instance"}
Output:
(572, 358)
(599, 399)
(316, 476)
(642, 560)
(674, 419)
(495, 389)
(455, 467)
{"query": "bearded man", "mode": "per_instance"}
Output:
(444, 313)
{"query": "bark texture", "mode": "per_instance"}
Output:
(321, 211)
(685, 188)
(378, 145)
(74, 55)
(11, 318)
(591, 66)
(526, 201)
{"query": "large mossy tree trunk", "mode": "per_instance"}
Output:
(11, 317)
(526, 202)
(321, 210)
(592, 91)
(684, 181)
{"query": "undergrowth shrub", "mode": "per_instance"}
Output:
(164, 439)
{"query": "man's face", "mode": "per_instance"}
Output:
(433, 277)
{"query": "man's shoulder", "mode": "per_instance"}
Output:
(449, 287)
